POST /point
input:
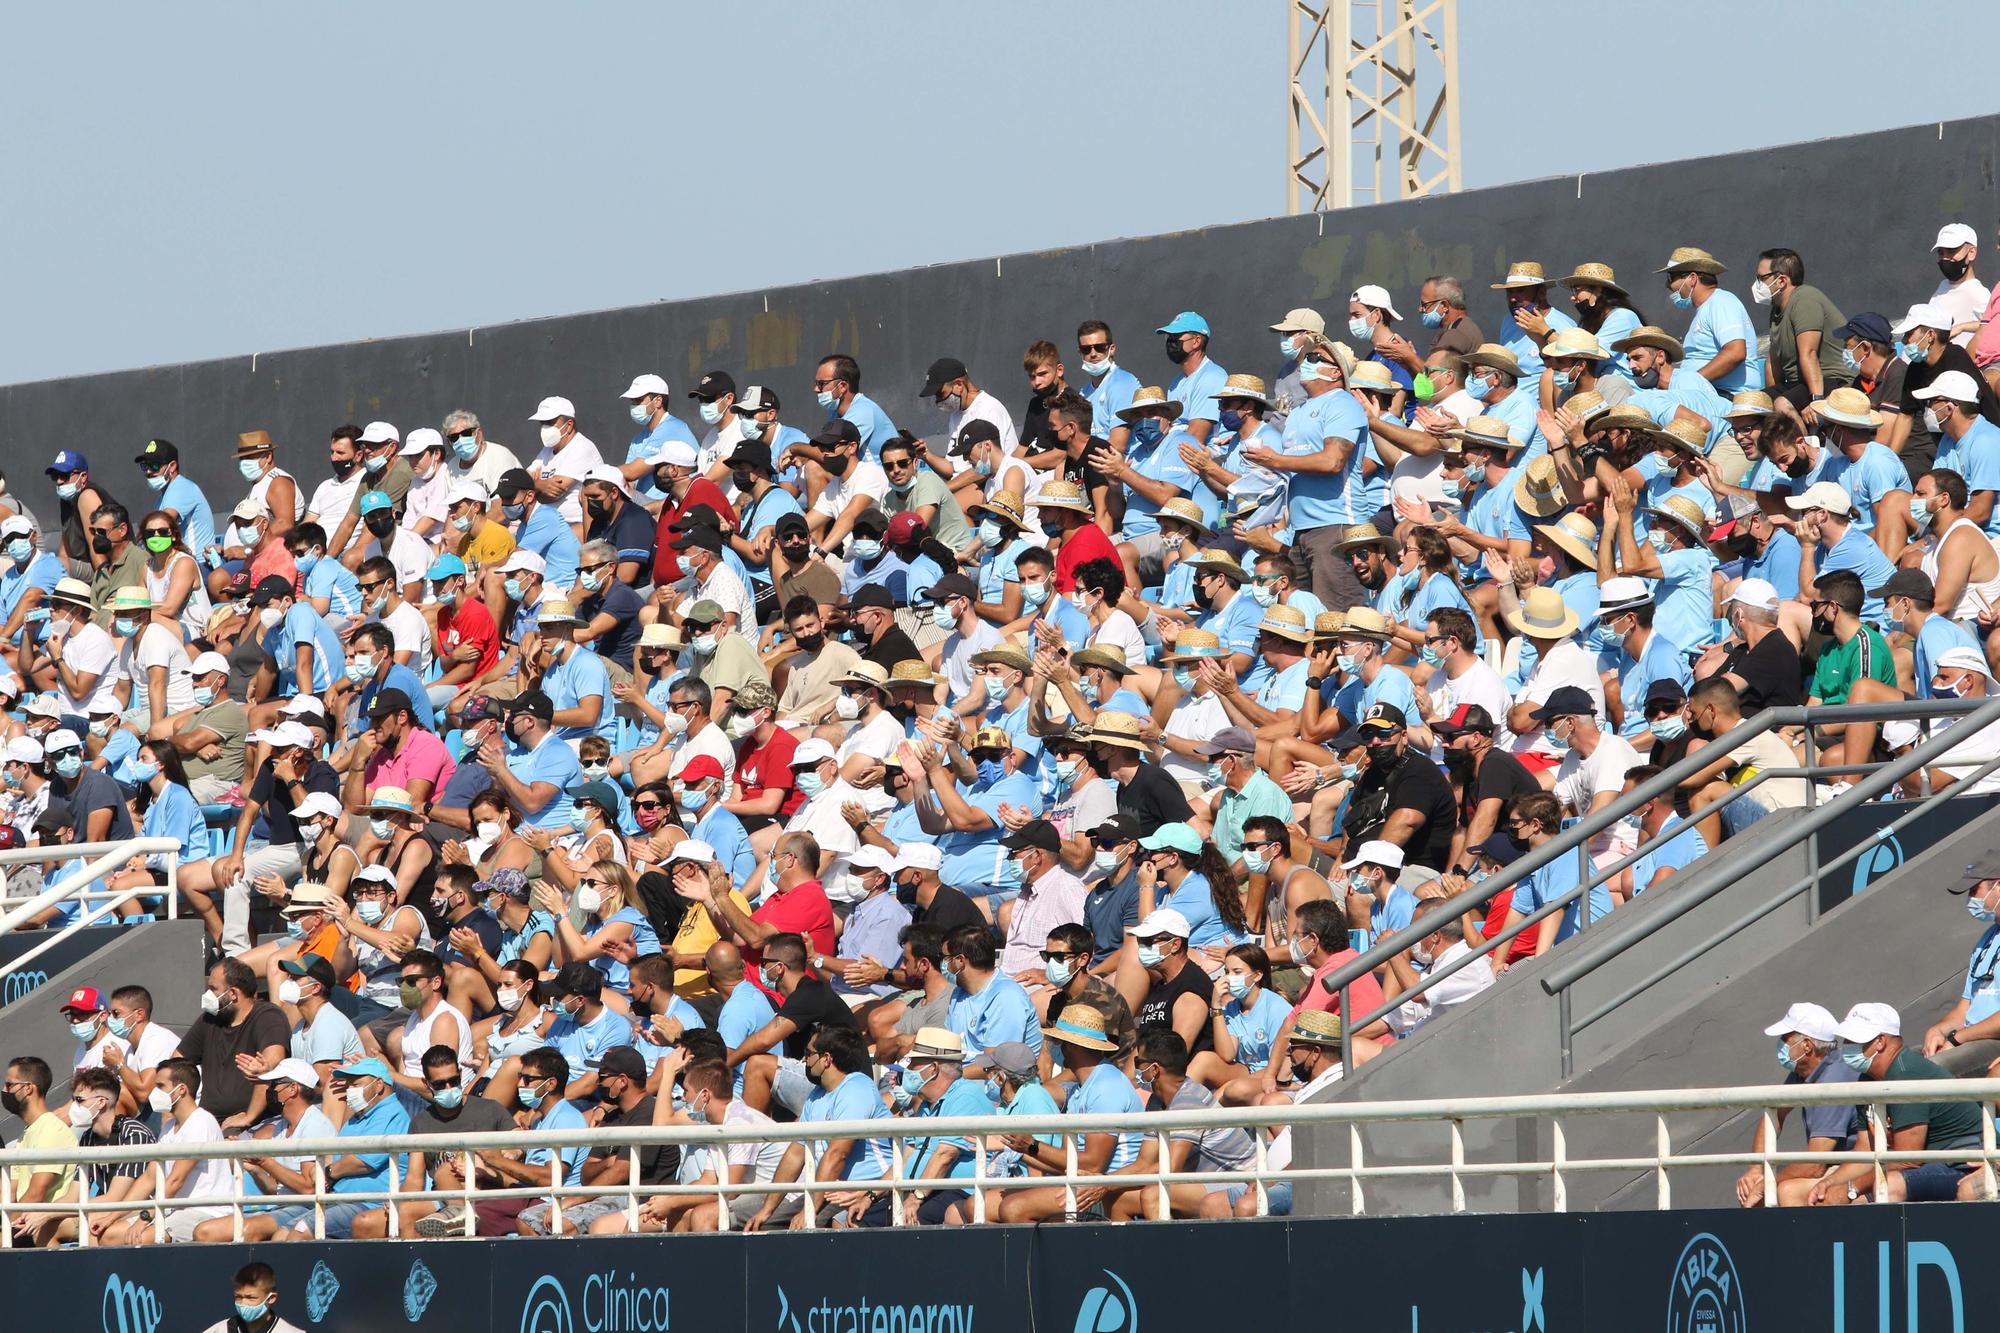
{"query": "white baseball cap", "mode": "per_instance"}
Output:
(1828, 495)
(461, 491)
(1865, 1022)
(919, 856)
(23, 750)
(208, 664)
(1923, 315)
(1376, 853)
(607, 474)
(1954, 234)
(1373, 295)
(42, 705)
(691, 849)
(1808, 1020)
(62, 738)
(1755, 592)
(301, 704)
(1901, 734)
(551, 408)
(1953, 384)
(524, 559)
(287, 735)
(1163, 921)
(1962, 659)
(291, 1069)
(250, 508)
(870, 857)
(422, 438)
(677, 452)
(16, 524)
(645, 384)
(811, 752)
(317, 803)
(378, 432)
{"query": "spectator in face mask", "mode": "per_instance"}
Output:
(1446, 945)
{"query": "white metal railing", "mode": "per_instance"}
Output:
(103, 857)
(1658, 1158)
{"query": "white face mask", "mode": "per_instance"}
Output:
(357, 1099)
(161, 1100)
(588, 900)
(80, 1116)
(491, 830)
(551, 435)
(288, 991)
(507, 998)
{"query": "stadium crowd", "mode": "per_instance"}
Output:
(761, 771)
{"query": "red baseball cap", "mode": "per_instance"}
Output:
(85, 1000)
(700, 767)
(906, 527)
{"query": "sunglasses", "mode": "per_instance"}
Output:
(593, 883)
(1088, 348)
(373, 585)
(1050, 956)
(649, 805)
(159, 532)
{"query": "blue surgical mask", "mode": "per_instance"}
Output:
(1479, 385)
(825, 398)
(1215, 775)
(250, 1314)
(125, 625)
(463, 523)
(1105, 860)
(1148, 431)
(20, 550)
(1349, 772)
(1560, 744)
(1059, 972)
(942, 617)
(447, 1099)
(68, 490)
(1034, 594)
(530, 1097)
(156, 481)
(306, 560)
(990, 533)
(1256, 862)
(1658, 541)
(466, 449)
(1855, 1057)
(640, 414)
(69, 764)
(1786, 1059)
(382, 828)
(694, 802)
(83, 1031)
(513, 512)
(1431, 656)
(374, 462)
(711, 412)
(865, 548)
(1980, 911)
(1920, 512)
(1681, 300)
(512, 587)
(1232, 420)
(984, 467)
(360, 669)
(1067, 769)
(1088, 689)
(251, 468)
(1184, 677)
(1910, 352)
(1848, 359)
(246, 535)
(991, 771)
(371, 911)
(1565, 379)
(1239, 985)
(1288, 348)
(204, 695)
(1344, 662)
(1357, 329)
(579, 818)
(810, 784)
(118, 1027)
(295, 928)
(142, 771)
(1149, 955)
(1669, 728)
(911, 1082)
(1433, 319)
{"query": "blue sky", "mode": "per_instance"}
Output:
(189, 182)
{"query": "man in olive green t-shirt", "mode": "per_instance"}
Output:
(1805, 357)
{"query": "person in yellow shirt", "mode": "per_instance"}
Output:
(689, 948)
(479, 541)
(25, 1095)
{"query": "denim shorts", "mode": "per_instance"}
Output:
(1933, 1182)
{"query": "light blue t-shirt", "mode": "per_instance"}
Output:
(997, 569)
(335, 582)
(853, 1098)
(1551, 882)
(551, 761)
(1196, 392)
(1684, 600)
(744, 1012)
(197, 519)
(871, 423)
(1158, 462)
(547, 534)
(1256, 1027)
(563, 1115)
(1717, 322)
(1106, 1091)
(304, 625)
(1975, 456)
(1527, 349)
(581, 1043)
(1000, 1012)
(1857, 551)
(1681, 849)
(1111, 394)
(43, 571)
(1779, 564)
(1934, 638)
(1982, 990)
(1319, 499)
(965, 1098)
(1660, 659)
(330, 1036)
(582, 675)
(1875, 474)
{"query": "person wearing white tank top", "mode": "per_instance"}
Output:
(431, 1021)
(1966, 572)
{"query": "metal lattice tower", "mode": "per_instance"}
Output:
(1370, 79)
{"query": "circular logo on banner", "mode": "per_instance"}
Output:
(1704, 1296)
(547, 1308)
(1106, 1311)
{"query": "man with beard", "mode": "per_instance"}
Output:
(844, 485)
(1401, 798)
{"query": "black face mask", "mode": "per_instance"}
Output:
(1649, 380)
(10, 1102)
(906, 892)
(743, 478)
(596, 508)
(1745, 545)
(663, 479)
(1799, 466)
(1381, 757)
(100, 544)
(1954, 269)
(343, 466)
(381, 523)
(1177, 351)
(1203, 598)
(1822, 625)
(795, 551)
(1458, 761)
(810, 643)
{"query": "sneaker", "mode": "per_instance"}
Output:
(447, 1221)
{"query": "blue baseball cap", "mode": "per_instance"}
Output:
(445, 567)
(370, 1068)
(69, 460)
(375, 500)
(1186, 322)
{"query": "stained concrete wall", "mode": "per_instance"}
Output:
(1862, 211)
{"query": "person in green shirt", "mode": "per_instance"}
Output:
(1854, 650)
(916, 489)
(1243, 790)
(1805, 361)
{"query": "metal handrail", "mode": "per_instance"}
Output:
(103, 856)
(1575, 838)
(1450, 1114)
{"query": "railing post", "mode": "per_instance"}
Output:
(319, 1195)
(1663, 1149)
(1346, 1035)
(1166, 1165)
(1559, 1152)
(1069, 1175)
(1770, 1126)
(1457, 1163)
(174, 894)
(1989, 1188)
(6, 1210)
(807, 1178)
(555, 1187)
(632, 1189)
(236, 1204)
(393, 1215)
(1563, 1031)
(979, 1178)
(1357, 1205)
(897, 1164)
(469, 1224)
(1583, 877)
(1812, 838)
(1260, 1144)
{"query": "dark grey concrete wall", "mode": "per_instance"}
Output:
(1862, 211)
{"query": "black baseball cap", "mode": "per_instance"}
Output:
(1565, 701)
(1465, 717)
(158, 453)
(1867, 324)
(624, 1061)
(950, 586)
(535, 704)
(1036, 833)
(837, 430)
(1907, 583)
(790, 523)
(698, 516)
(579, 979)
(751, 453)
(976, 431)
(512, 482)
(1125, 828)
(707, 538)
(55, 815)
(713, 385)
(270, 588)
(389, 701)
(942, 372)
(871, 594)
(1664, 694)
(314, 967)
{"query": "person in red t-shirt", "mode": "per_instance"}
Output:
(673, 472)
(1064, 511)
(466, 640)
(798, 905)
(766, 795)
(1320, 943)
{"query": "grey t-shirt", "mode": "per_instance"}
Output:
(1214, 1149)
(924, 1014)
(479, 1115)
(1827, 1121)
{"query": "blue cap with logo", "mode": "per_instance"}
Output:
(375, 500)
(369, 1068)
(66, 462)
(446, 566)
(1188, 321)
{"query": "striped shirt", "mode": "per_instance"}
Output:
(126, 1132)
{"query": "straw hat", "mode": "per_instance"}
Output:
(131, 599)
(1329, 623)
(1182, 510)
(253, 442)
(1690, 259)
(74, 591)
(1105, 658)
(1575, 536)
(912, 671)
(1748, 403)
(1060, 495)
(937, 1044)
(1113, 727)
(1366, 534)
(1244, 386)
(1365, 622)
(1001, 504)
(1651, 335)
(1690, 432)
(1848, 406)
(396, 800)
(1215, 560)
(1625, 417)
(1573, 342)
(991, 738)
(556, 611)
(1495, 356)
(1685, 512)
(1594, 275)
(1151, 398)
(1342, 354)
(1316, 1027)
(306, 897)
(1373, 376)
(1081, 1025)
(659, 634)
(864, 672)
(1286, 622)
(1539, 492)
(1008, 652)
(1585, 403)
(1522, 273)
(1488, 431)
(1194, 645)
(1544, 615)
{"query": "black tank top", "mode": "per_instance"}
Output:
(76, 541)
(1158, 1008)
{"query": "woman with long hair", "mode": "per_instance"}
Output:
(168, 810)
(173, 576)
(494, 844)
(1245, 1015)
(606, 905)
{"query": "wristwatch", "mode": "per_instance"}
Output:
(1951, 1037)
